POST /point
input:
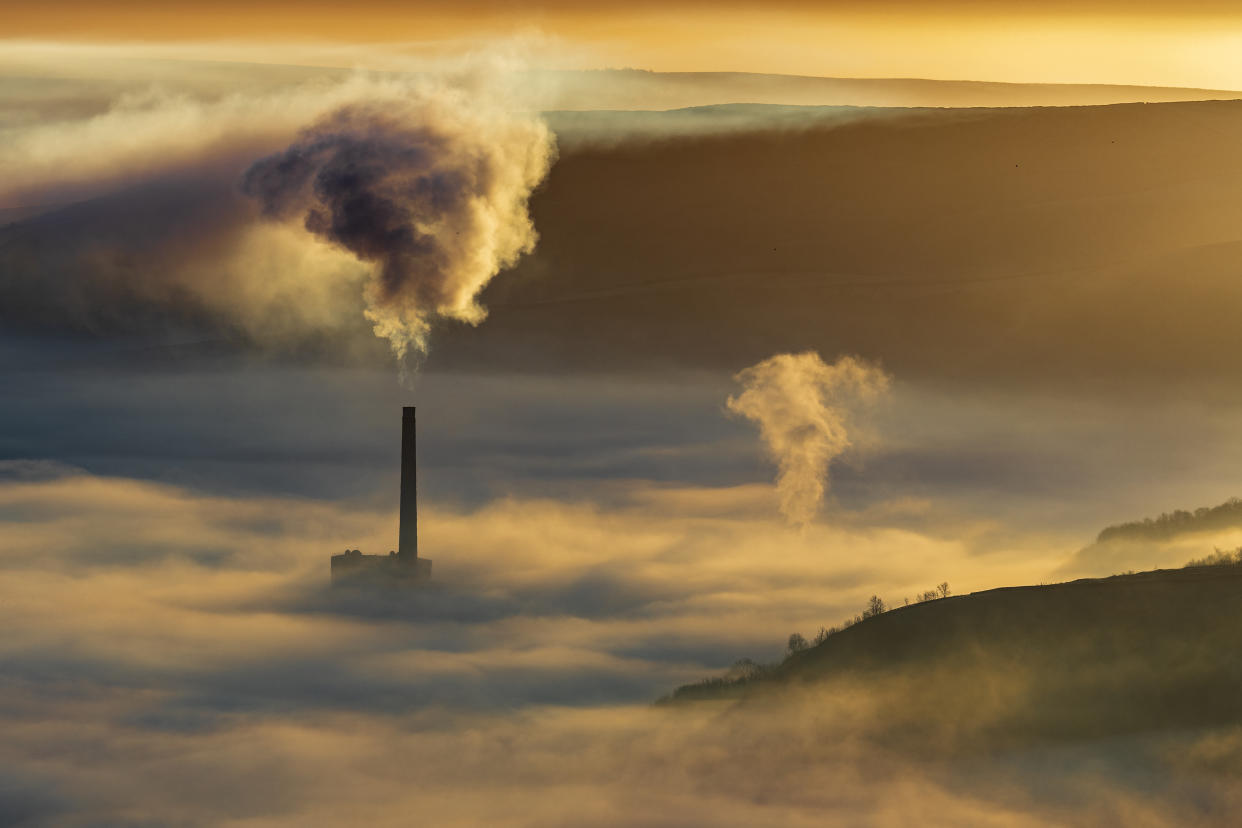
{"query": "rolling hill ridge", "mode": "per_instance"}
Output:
(1092, 658)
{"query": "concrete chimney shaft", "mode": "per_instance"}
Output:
(407, 543)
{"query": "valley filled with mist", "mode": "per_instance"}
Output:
(701, 360)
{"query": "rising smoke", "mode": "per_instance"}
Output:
(430, 189)
(802, 406)
(274, 215)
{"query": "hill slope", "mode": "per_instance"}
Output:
(1064, 245)
(1085, 659)
(641, 89)
(1063, 248)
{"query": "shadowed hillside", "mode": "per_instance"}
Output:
(1018, 245)
(1067, 247)
(640, 89)
(1079, 660)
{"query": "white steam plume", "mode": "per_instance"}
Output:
(802, 407)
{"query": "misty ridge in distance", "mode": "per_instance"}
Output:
(1170, 539)
(1227, 515)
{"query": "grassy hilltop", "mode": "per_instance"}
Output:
(1084, 659)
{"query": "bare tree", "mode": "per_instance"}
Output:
(943, 589)
(874, 607)
(797, 643)
(744, 669)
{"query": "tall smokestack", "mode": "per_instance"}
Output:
(407, 542)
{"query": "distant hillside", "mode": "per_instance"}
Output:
(1178, 522)
(1153, 542)
(1057, 246)
(1057, 249)
(641, 89)
(1084, 659)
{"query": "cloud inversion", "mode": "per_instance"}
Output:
(801, 405)
(177, 659)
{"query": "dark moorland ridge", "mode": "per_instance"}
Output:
(1062, 249)
(641, 89)
(1083, 659)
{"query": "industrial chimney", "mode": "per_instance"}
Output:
(407, 539)
(402, 567)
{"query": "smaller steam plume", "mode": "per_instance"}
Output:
(430, 188)
(802, 407)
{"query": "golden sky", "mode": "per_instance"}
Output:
(1146, 43)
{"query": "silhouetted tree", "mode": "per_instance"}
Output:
(943, 589)
(874, 607)
(796, 643)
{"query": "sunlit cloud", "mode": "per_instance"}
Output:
(202, 639)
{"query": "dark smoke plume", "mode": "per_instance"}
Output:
(432, 191)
